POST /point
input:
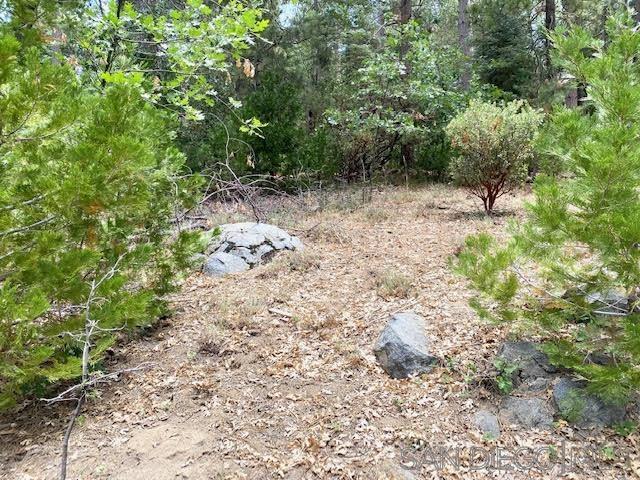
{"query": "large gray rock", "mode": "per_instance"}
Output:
(527, 412)
(249, 243)
(402, 348)
(531, 362)
(487, 423)
(221, 263)
(578, 406)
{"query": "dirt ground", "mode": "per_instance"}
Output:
(271, 374)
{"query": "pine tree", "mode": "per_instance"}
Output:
(90, 178)
(572, 270)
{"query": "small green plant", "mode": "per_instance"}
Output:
(398, 403)
(625, 428)
(504, 379)
(552, 452)
(489, 437)
(609, 453)
(572, 407)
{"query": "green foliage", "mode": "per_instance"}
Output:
(396, 101)
(582, 233)
(626, 428)
(91, 180)
(572, 406)
(287, 149)
(504, 379)
(495, 149)
(502, 43)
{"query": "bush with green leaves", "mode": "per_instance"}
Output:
(495, 148)
(91, 182)
(571, 271)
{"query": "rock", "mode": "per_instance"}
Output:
(250, 243)
(578, 406)
(391, 471)
(527, 412)
(488, 424)
(402, 348)
(533, 369)
(221, 263)
(609, 303)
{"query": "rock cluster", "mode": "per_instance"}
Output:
(241, 246)
(528, 404)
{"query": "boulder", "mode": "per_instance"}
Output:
(527, 412)
(221, 263)
(578, 406)
(402, 348)
(488, 424)
(533, 370)
(533, 375)
(392, 471)
(249, 243)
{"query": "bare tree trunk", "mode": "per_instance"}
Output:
(572, 96)
(315, 79)
(405, 13)
(381, 33)
(636, 7)
(550, 25)
(465, 47)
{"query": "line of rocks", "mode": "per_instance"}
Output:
(402, 350)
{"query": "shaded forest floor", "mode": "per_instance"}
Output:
(270, 374)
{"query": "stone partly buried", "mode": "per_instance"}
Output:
(402, 348)
(528, 405)
(241, 246)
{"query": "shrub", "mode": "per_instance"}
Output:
(582, 234)
(495, 149)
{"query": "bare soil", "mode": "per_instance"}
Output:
(270, 373)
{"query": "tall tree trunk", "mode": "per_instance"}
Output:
(572, 96)
(465, 47)
(381, 33)
(550, 25)
(405, 11)
(636, 7)
(315, 78)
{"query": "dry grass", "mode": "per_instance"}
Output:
(239, 312)
(297, 261)
(392, 283)
(329, 232)
(375, 214)
(273, 376)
